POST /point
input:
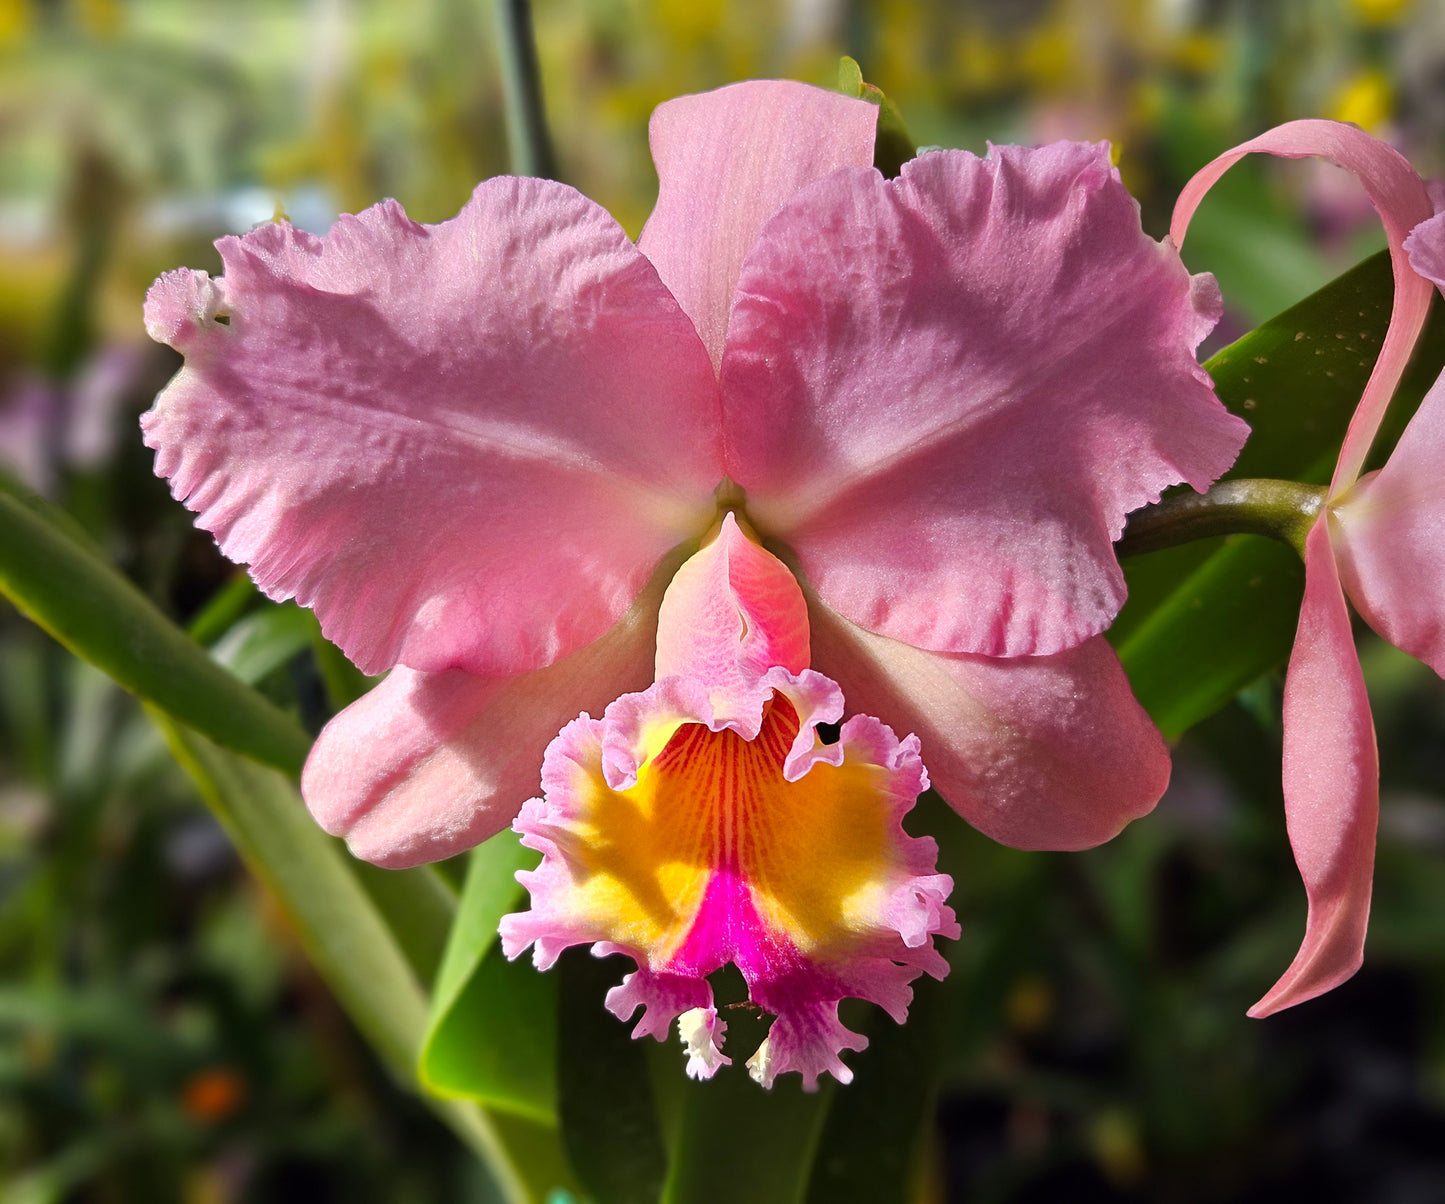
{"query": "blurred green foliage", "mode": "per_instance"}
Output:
(162, 1038)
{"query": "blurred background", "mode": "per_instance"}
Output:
(162, 1038)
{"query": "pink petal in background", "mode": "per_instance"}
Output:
(1389, 536)
(1400, 198)
(1331, 786)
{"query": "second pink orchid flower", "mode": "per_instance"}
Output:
(1380, 541)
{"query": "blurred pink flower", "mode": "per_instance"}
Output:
(481, 449)
(1380, 540)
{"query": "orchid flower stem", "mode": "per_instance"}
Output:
(527, 137)
(1283, 510)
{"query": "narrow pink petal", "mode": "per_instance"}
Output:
(945, 392)
(429, 764)
(1331, 786)
(1049, 752)
(731, 613)
(1399, 196)
(465, 445)
(726, 161)
(1389, 536)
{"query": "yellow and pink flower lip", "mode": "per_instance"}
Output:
(705, 821)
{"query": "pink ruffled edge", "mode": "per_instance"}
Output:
(807, 1036)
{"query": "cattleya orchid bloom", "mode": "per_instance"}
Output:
(1379, 540)
(481, 450)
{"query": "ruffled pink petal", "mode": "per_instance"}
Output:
(429, 764)
(678, 839)
(1400, 197)
(1389, 537)
(726, 161)
(1331, 786)
(945, 392)
(1049, 752)
(465, 445)
(731, 613)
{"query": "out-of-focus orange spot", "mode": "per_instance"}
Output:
(213, 1095)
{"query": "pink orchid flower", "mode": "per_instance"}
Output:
(481, 450)
(1380, 541)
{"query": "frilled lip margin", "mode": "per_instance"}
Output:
(686, 840)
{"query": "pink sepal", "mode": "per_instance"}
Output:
(1400, 198)
(726, 161)
(464, 445)
(1331, 785)
(1048, 752)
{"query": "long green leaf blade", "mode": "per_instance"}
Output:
(55, 578)
(348, 941)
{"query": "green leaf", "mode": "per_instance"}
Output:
(604, 1093)
(894, 145)
(55, 577)
(1205, 620)
(334, 919)
(349, 942)
(736, 1141)
(418, 905)
(491, 1035)
(259, 643)
(1231, 619)
(872, 1146)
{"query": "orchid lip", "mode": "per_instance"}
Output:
(704, 822)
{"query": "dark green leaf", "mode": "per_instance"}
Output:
(604, 1094)
(736, 1141)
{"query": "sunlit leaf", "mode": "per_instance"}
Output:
(491, 1035)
